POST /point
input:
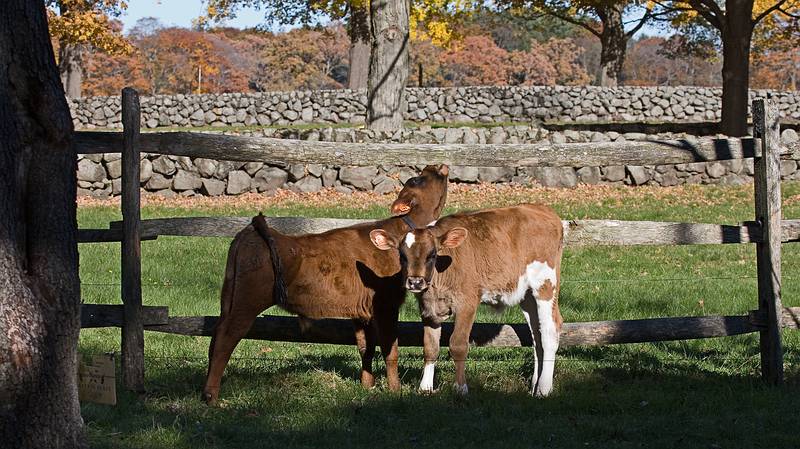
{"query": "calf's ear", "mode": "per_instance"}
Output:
(453, 238)
(382, 240)
(402, 206)
(444, 170)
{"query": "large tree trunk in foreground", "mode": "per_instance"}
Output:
(70, 65)
(39, 287)
(358, 30)
(737, 33)
(613, 43)
(388, 64)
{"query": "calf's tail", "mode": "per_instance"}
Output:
(279, 291)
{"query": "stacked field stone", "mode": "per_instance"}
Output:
(99, 174)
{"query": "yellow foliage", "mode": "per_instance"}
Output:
(88, 23)
(433, 20)
(436, 20)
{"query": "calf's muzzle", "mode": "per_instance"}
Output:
(416, 284)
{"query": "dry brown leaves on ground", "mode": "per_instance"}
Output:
(460, 196)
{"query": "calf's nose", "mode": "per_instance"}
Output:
(416, 284)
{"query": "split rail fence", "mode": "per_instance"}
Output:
(767, 231)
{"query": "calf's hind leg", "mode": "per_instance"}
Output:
(544, 319)
(227, 334)
(366, 340)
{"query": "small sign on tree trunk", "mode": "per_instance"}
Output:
(97, 380)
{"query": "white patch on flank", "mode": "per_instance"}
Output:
(426, 385)
(433, 223)
(547, 327)
(410, 239)
(535, 275)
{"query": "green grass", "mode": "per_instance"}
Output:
(703, 393)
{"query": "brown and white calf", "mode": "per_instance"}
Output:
(335, 274)
(501, 257)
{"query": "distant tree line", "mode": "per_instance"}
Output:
(384, 46)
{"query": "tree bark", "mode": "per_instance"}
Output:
(613, 42)
(737, 33)
(358, 30)
(70, 66)
(39, 292)
(388, 64)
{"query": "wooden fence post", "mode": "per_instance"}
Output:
(767, 183)
(133, 327)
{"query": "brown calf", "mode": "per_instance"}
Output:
(335, 274)
(501, 257)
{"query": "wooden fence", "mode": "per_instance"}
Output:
(767, 231)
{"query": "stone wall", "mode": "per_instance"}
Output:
(463, 104)
(99, 174)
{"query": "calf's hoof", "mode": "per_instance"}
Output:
(461, 389)
(367, 380)
(426, 388)
(543, 390)
(209, 398)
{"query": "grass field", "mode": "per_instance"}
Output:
(703, 393)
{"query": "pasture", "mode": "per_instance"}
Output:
(704, 393)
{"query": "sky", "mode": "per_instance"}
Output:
(181, 12)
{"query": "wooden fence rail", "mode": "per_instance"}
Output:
(767, 231)
(578, 232)
(340, 331)
(544, 154)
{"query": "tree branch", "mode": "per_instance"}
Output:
(710, 11)
(565, 17)
(645, 18)
(768, 11)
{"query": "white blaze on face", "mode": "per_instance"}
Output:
(410, 239)
(427, 377)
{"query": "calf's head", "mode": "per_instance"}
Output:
(419, 252)
(423, 195)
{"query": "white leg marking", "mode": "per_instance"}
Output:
(547, 327)
(410, 239)
(461, 389)
(426, 385)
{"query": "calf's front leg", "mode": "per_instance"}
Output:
(459, 344)
(430, 351)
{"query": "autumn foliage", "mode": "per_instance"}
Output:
(168, 60)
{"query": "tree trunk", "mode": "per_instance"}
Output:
(388, 64)
(737, 33)
(39, 292)
(70, 65)
(358, 30)
(613, 42)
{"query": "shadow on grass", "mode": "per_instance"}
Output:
(641, 400)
